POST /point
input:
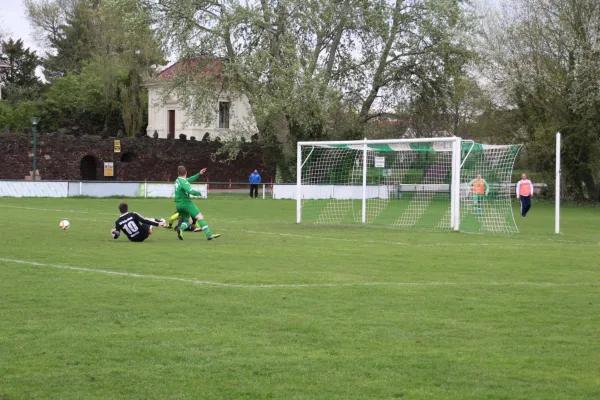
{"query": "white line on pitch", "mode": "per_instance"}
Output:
(291, 285)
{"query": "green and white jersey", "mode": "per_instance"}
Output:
(183, 189)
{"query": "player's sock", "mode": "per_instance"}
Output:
(204, 227)
(172, 219)
(197, 227)
(180, 228)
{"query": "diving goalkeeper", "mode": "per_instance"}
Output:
(185, 207)
(480, 189)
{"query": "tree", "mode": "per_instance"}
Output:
(546, 59)
(47, 17)
(125, 48)
(71, 45)
(78, 99)
(19, 78)
(299, 60)
(111, 37)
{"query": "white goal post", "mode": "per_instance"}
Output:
(430, 183)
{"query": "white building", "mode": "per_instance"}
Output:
(231, 113)
(3, 65)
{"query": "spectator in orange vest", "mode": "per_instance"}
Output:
(524, 193)
(480, 189)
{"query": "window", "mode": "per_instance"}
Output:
(224, 115)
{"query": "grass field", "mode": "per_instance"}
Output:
(273, 310)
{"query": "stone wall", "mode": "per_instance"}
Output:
(66, 157)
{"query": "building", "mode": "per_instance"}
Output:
(3, 65)
(229, 116)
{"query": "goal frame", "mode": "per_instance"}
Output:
(455, 177)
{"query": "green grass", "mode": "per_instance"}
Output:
(452, 316)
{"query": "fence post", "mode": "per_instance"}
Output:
(207, 185)
(80, 188)
(145, 189)
(263, 190)
(229, 184)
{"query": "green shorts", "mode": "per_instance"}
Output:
(188, 210)
(478, 198)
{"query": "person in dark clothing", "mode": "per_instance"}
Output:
(136, 227)
(254, 181)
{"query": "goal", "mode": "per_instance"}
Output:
(407, 183)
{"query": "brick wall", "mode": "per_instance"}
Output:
(59, 157)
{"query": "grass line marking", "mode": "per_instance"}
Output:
(289, 285)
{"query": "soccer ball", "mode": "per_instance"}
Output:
(115, 234)
(64, 224)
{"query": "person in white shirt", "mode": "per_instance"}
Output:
(524, 193)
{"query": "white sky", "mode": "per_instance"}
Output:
(14, 21)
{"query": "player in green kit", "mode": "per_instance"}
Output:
(185, 207)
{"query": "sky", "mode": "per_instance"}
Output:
(14, 21)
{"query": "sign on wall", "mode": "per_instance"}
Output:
(117, 146)
(379, 162)
(108, 169)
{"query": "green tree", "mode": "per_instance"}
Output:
(18, 116)
(46, 18)
(546, 58)
(71, 44)
(19, 79)
(125, 47)
(297, 61)
(112, 39)
(78, 99)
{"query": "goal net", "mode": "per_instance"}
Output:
(407, 183)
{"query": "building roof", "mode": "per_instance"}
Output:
(203, 68)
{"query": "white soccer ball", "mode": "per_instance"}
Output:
(64, 224)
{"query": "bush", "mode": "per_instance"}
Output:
(18, 117)
(535, 177)
(182, 137)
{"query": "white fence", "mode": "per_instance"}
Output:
(33, 189)
(354, 192)
(276, 191)
(91, 189)
(346, 192)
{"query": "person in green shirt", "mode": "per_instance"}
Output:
(185, 207)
